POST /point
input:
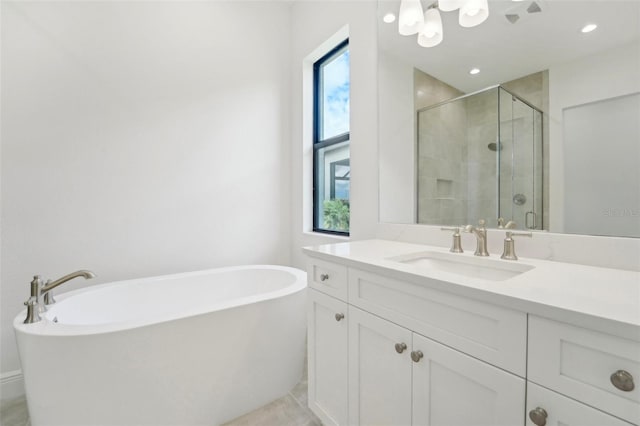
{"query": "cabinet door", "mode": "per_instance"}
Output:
(550, 408)
(327, 345)
(454, 389)
(581, 363)
(379, 373)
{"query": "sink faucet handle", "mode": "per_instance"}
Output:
(456, 244)
(481, 223)
(509, 245)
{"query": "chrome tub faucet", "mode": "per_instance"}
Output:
(34, 306)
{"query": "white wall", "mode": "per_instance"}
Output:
(396, 145)
(141, 138)
(313, 23)
(590, 79)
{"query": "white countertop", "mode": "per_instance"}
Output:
(568, 292)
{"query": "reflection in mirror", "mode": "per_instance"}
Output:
(480, 156)
(545, 135)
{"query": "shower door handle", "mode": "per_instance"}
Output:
(535, 220)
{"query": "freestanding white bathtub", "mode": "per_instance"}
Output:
(198, 348)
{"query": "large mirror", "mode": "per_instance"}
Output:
(543, 134)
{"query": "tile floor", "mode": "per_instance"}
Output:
(290, 410)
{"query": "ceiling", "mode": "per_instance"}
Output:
(504, 51)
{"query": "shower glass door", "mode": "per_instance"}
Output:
(520, 162)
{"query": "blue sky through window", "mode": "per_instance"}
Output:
(335, 96)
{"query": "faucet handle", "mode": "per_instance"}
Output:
(36, 285)
(32, 310)
(509, 245)
(456, 244)
(481, 223)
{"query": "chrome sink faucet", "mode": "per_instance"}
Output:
(34, 306)
(481, 237)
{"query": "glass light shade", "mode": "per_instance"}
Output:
(449, 5)
(431, 32)
(473, 12)
(410, 18)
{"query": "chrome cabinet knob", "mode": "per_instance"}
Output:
(623, 380)
(339, 316)
(538, 416)
(416, 356)
(401, 347)
(324, 277)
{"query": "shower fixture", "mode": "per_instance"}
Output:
(495, 146)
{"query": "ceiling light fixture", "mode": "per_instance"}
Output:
(389, 18)
(588, 28)
(474, 71)
(428, 26)
(431, 32)
(449, 5)
(410, 18)
(473, 12)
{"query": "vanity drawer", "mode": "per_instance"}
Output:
(581, 364)
(491, 333)
(551, 408)
(329, 278)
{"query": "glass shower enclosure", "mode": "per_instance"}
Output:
(479, 156)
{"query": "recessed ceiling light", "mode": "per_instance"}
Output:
(474, 71)
(588, 28)
(389, 18)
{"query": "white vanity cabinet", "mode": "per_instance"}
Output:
(398, 377)
(545, 407)
(389, 374)
(598, 369)
(426, 346)
(379, 371)
(327, 356)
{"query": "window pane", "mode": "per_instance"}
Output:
(332, 187)
(334, 96)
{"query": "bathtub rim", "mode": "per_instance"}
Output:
(46, 327)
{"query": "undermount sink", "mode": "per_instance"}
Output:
(470, 267)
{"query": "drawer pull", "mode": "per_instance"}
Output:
(622, 380)
(401, 347)
(339, 316)
(416, 356)
(538, 416)
(324, 277)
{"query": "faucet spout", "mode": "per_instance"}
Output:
(53, 284)
(481, 238)
(34, 306)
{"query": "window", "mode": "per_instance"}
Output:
(331, 169)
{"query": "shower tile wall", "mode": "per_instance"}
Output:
(442, 175)
(482, 130)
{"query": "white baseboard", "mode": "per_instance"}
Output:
(11, 385)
